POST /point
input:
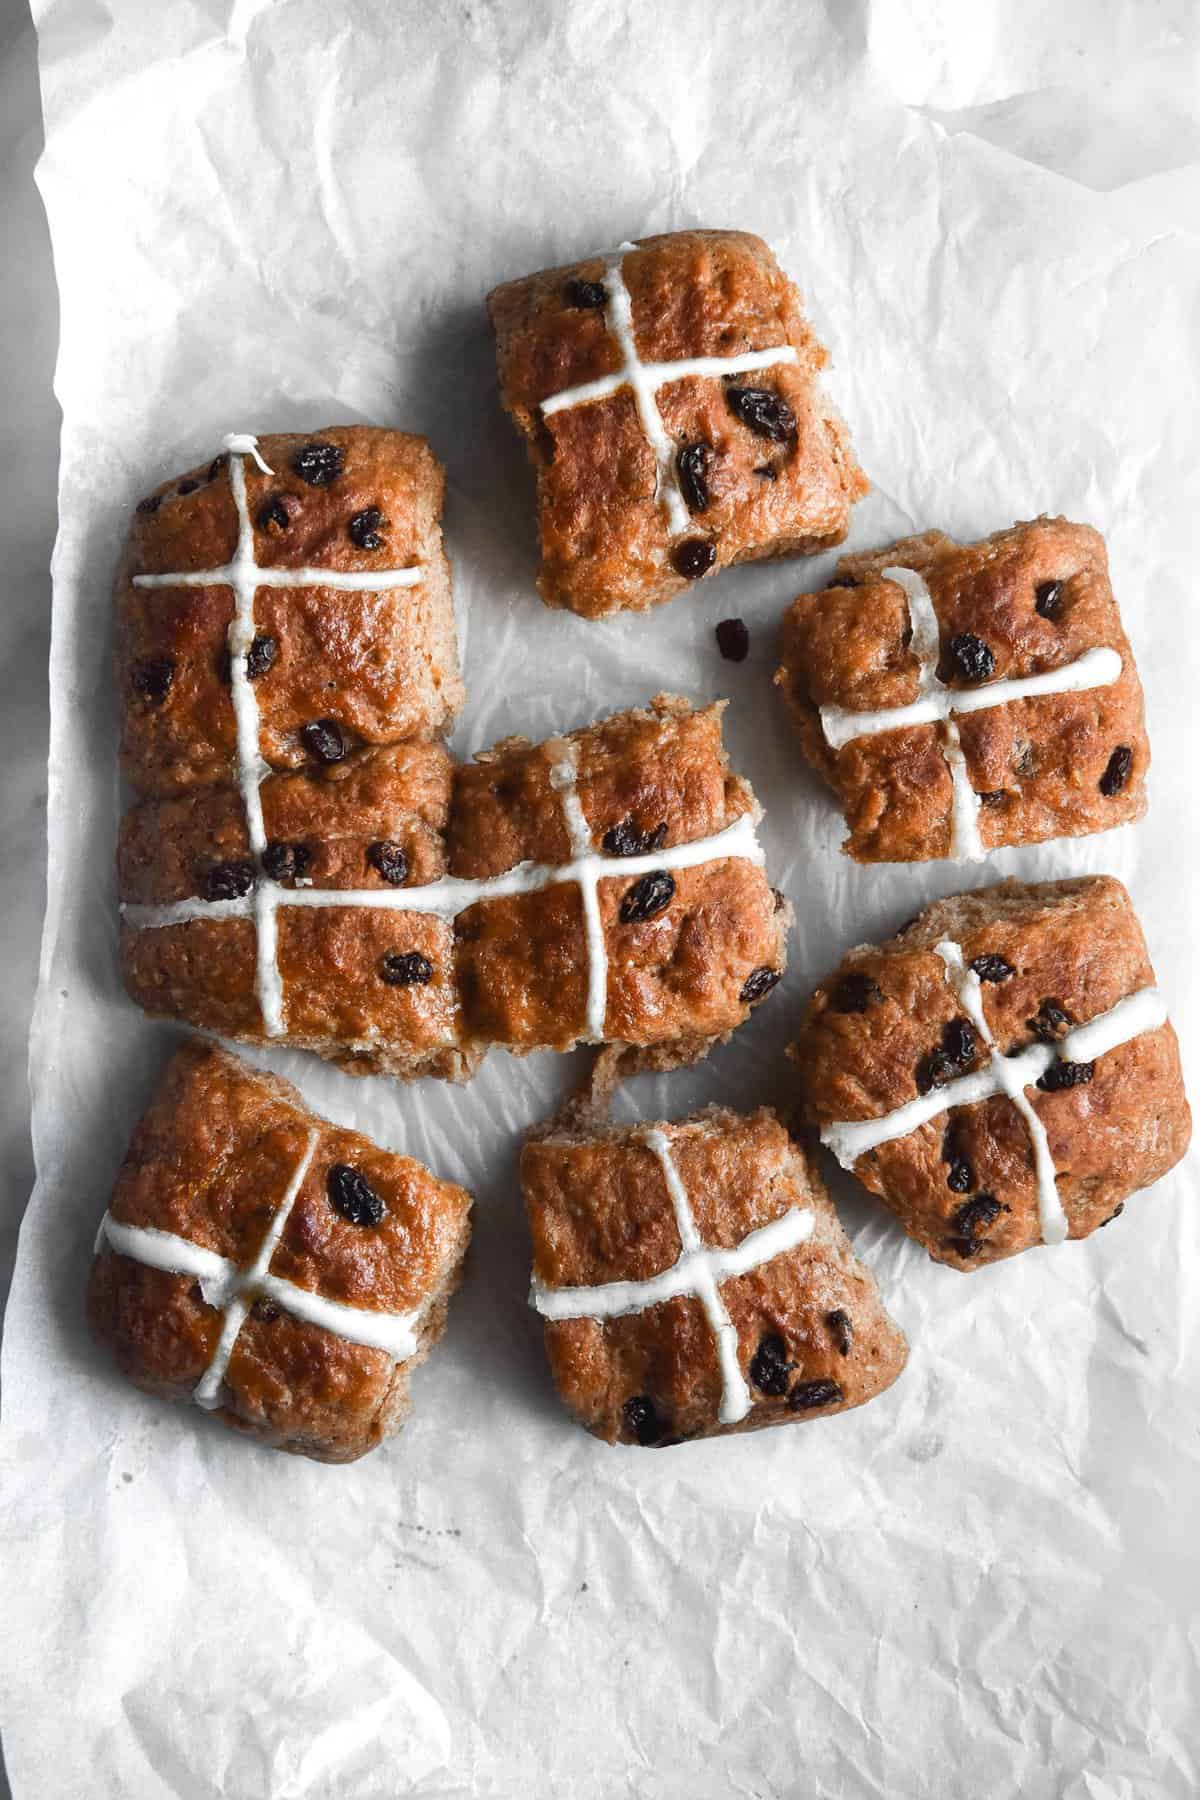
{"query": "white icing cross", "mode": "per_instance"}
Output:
(646, 378)
(697, 1273)
(245, 577)
(937, 703)
(1010, 1075)
(223, 1284)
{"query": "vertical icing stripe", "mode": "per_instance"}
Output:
(966, 985)
(564, 778)
(208, 1389)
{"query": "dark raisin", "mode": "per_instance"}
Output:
(152, 679)
(808, 1394)
(1051, 1024)
(259, 657)
(364, 528)
(768, 471)
(692, 462)
(964, 1247)
(961, 1177)
(1047, 599)
(187, 487)
(841, 1328)
(274, 514)
(228, 880)
(352, 1195)
(587, 294)
(780, 899)
(389, 860)
(767, 415)
(643, 1421)
(626, 840)
(855, 992)
(647, 897)
(769, 1366)
(286, 862)
(150, 504)
(974, 1218)
(1024, 761)
(942, 1065)
(1112, 1215)
(264, 1312)
(319, 464)
(693, 558)
(405, 968)
(733, 640)
(971, 656)
(1117, 773)
(216, 465)
(991, 967)
(758, 983)
(993, 797)
(323, 739)
(1062, 1075)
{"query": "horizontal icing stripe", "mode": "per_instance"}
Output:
(1143, 1011)
(365, 581)
(452, 895)
(615, 1299)
(1095, 668)
(661, 373)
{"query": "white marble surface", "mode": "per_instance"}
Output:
(28, 477)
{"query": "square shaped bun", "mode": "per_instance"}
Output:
(1016, 644)
(640, 496)
(354, 1279)
(1001, 1072)
(792, 1326)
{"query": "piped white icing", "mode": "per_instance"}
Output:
(446, 898)
(564, 779)
(697, 1272)
(245, 577)
(967, 987)
(1009, 1075)
(644, 380)
(938, 704)
(234, 1290)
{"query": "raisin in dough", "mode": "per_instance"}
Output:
(1001, 1072)
(747, 1306)
(278, 1271)
(1029, 710)
(405, 915)
(372, 664)
(645, 488)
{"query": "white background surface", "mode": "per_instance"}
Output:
(280, 215)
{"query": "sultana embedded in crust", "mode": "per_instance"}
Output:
(754, 464)
(375, 666)
(1031, 601)
(221, 1151)
(807, 1330)
(897, 1026)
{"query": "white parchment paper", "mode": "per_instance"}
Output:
(280, 216)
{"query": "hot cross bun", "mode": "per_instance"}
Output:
(278, 1271)
(957, 697)
(1001, 1072)
(668, 395)
(694, 1280)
